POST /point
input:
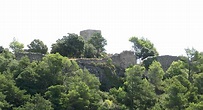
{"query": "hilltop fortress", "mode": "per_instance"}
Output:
(122, 60)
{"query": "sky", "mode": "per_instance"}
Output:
(171, 25)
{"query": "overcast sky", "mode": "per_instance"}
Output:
(172, 25)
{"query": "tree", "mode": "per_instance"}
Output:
(79, 91)
(190, 54)
(6, 61)
(37, 46)
(52, 70)
(176, 68)
(14, 96)
(156, 74)
(120, 96)
(195, 106)
(139, 91)
(178, 93)
(90, 51)
(107, 105)
(70, 46)
(1, 49)
(27, 80)
(98, 42)
(16, 46)
(143, 48)
(37, 102)
(3, 103)
(198, 78)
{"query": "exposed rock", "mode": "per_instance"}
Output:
(106, 73)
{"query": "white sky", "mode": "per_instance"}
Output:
(172, 25)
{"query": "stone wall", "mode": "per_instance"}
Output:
(124, 59)
(166, 61)
(87, 34)
(91, 60)
(31, 56)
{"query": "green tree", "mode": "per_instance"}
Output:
(143, 48)
(177, 68)
(198, 78)
(80, 91)
(155, 74)
(190, 55)
(28, 78)
(16, 46)
(6, 61)
(77, 98)
(37, 46)
(37, 102)
(52, 71)
(98, 42)
(195, 106)
(3, 103)
(177, 93)
(107, 105)
(1, 49)
(120, 96)
(90, 84)
(90, 51)
(54, 94)
(13, 95)
(70, 46)
(140, 92)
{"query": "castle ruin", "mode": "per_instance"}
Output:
(32, 56)
(166, 61)
(87, 34)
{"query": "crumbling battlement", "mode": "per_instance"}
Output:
(91, 60)
(166, 60)
(32, 56)
(87, 34)
(124, 59)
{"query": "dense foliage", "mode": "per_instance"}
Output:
(58, 83)
(16, 46)
(98, 42)
(74, 46)
(37, 46)
(143, 48)
(69, 46)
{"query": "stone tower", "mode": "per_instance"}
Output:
(87, 34)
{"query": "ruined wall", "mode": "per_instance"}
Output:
(91, 60)
(87, 34)
(166, 61)
(124, 59)
(31, 56)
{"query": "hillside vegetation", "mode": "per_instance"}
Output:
(58, 83)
